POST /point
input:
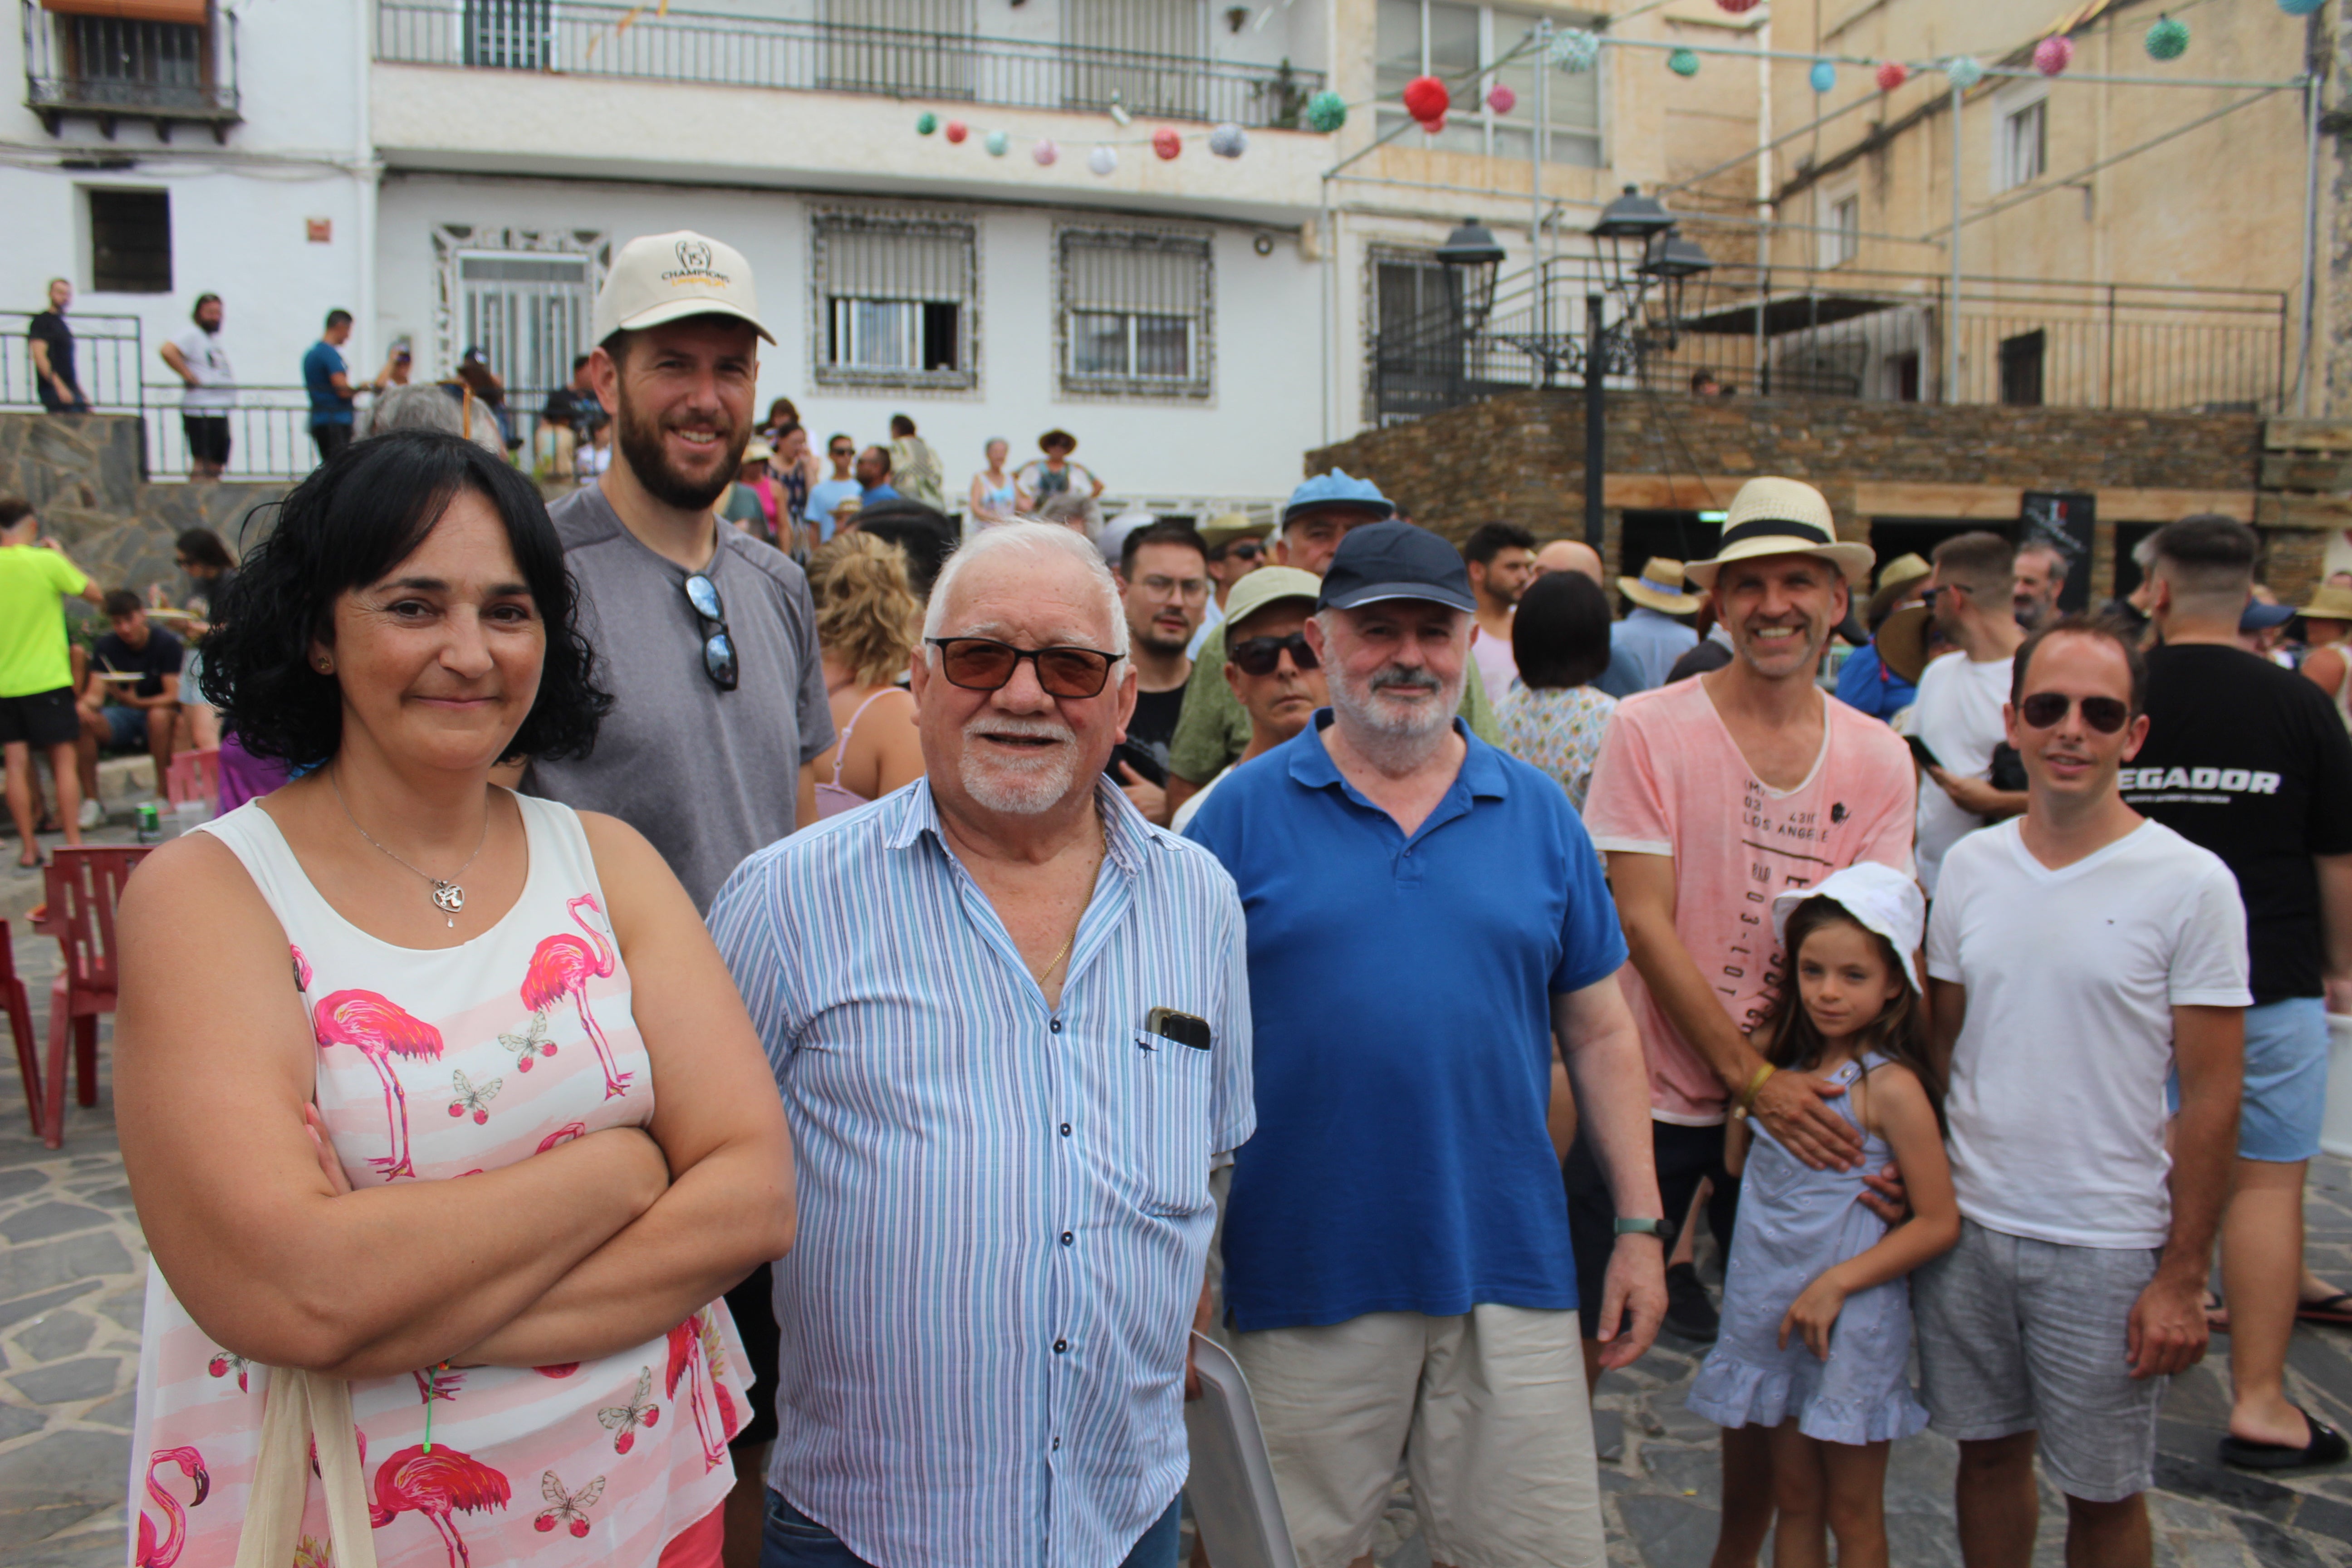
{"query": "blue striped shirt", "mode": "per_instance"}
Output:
(1004, 1210)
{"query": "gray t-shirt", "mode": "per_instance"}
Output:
(707, 775)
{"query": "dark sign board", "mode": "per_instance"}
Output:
(2062, 519)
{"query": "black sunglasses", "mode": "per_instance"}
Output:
(2045, 709)
(719, 647)
(982, 664)
(1263, 655)
(1246, 550)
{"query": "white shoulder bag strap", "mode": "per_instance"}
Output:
(302, 1407)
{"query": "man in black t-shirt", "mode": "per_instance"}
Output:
(2251, 761)
(131, 696)
(1163, 577)
(53, 354)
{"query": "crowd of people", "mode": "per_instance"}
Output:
(884, 1010)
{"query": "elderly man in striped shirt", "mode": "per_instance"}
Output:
(1010, 1020)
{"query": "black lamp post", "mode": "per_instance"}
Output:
(1473, 258)
(1637, 245)
(1671, 262)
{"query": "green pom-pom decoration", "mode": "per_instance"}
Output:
(1575, 50)
(1326, 111)
(926, 122)
(2167, 38)
(1683, 62)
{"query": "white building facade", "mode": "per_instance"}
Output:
(458, 173)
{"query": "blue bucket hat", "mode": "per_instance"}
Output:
(1336, 488)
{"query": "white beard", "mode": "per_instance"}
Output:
(1020, 786)
(1394, 737)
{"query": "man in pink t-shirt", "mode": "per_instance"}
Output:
(1709, 796)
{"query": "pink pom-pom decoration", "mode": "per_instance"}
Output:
(1892, 75)
(1501, 98)
(1735, 7)
(1166, 142)
(956, 130)
(2054, 55)
(1045, 152)
(1426, 99)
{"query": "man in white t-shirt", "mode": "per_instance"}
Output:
(1956, 715)
(2076, 957)
(200, 361)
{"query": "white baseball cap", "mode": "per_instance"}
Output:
(1880, 898)
(659, 277)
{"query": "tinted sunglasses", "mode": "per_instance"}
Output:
(1244, 549)
(2045, 709)
(1263, 655)
(718, 647)
(982, 664)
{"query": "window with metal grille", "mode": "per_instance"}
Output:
(510, 34)
(143, 57)
(1136, 311)
(1147, 55)
(130, 242)
(897, 301)
(1451, 39)
(528, 313)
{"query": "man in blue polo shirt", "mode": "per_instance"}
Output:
(1424, 913)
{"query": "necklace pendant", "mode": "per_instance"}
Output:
(449, 897)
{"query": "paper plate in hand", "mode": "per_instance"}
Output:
(1232, 1485)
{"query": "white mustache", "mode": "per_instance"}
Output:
(1412, 680)
(1030, 729)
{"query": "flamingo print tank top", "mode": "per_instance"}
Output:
(433, 1066)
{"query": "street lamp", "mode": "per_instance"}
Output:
(1671, 262)
(1472, 257)
(1642, 225)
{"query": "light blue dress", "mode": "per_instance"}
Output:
(1795, 1224)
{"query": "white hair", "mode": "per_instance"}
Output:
(1034, 540)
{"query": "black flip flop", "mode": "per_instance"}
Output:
(2335, 1310)
(2326, 1447)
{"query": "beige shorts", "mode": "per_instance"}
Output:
(1487, 1412)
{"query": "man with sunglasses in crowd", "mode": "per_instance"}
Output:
(1006, 1099)
(705, 636)
(2251, 761)
(1269, 665)
(1236, 548)
(2077, 956)
(827, 496)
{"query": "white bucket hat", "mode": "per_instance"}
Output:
(1879, 898)
(660, 277)
(1781, 517)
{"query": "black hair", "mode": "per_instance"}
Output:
(901, 425)
(13, 509)
(1560, 637)
(2104, 628)
(196, 311)
(1166, 533)
(578, 360)
(1489, 540)
(353, 520)
(1791, 1039)
(336, 319)
(203, 547)
(121, 601)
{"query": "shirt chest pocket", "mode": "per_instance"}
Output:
(1160, 1156)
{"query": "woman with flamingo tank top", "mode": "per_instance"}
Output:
(433, 1066)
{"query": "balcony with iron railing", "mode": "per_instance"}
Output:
(173, 64)
(643, 44)
(1845, 333)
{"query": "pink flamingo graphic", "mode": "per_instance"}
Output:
(436, 1485)
(301, 968)
(379, 1029)
(561, 967)
(154, 1553)
(688, 1359)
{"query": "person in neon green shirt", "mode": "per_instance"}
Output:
(37, 699)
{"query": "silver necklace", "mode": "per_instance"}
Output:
(447, 896)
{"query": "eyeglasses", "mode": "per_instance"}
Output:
(719, 647)
(1245, 550)
(1167, 587)
(982, 664)
(843, 451)
(2045, 710)
(1263, 655)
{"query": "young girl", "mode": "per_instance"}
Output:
(1816, 1312)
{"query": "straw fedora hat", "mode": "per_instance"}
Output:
(1895, 577)
(2327, 604)
(1660, 588)
(1228, 526)
(1780, 517)
(1902, 642)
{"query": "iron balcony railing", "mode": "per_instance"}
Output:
(112, 68)
(106, 361)
(270, 430)
(706, 48)
(1843, 333)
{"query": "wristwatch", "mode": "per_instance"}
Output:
(1663, 1229)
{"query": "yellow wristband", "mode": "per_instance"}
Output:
(1754, 1085)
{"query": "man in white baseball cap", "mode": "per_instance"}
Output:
(1710, 796)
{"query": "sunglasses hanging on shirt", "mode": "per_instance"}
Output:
(718, 647)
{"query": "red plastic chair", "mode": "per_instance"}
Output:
(19, 1007)
(193, 775)
(83, 884)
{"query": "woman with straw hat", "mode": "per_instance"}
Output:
(2327, 621)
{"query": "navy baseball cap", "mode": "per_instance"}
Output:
(2258, 616)
(1395, 560)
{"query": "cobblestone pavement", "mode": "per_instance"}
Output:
(73, 1267)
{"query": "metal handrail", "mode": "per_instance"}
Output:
(115, 67)
(709, 48)
(107, 360)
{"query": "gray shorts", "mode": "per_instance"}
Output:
(2017, 1335)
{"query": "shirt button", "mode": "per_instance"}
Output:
(1067, 1237)
(1056, 1026)
(1060, 1346)
(1065, 1129)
